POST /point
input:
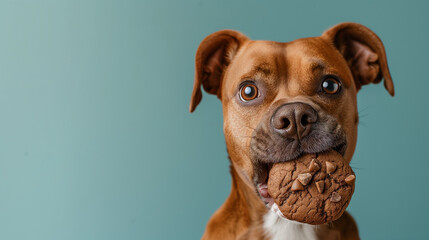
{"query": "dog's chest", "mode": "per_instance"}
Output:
(278, 228)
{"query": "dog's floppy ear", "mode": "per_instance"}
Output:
(364, 53)
(213, 56)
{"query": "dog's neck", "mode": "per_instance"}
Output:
(277, 228)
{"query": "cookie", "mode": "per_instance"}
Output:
(313, 189)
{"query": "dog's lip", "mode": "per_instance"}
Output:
(341, 148)
(264, 195)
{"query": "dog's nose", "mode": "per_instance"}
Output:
(293, 120)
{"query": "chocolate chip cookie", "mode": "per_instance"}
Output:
(314, 189)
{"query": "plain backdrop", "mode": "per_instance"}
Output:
(96, 141)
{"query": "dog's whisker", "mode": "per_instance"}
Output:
(362, 124)
(364, 115)
(362, 110)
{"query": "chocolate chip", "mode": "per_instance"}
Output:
(297, 186)
(350, 180)
(314, 166)
(304, 178)
(320, 186)
(335, 197)
(330, 167)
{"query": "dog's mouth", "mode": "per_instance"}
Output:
(268, 147)
(261, 182)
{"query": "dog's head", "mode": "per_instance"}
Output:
(281, 100)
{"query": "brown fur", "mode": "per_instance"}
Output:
(287, 72)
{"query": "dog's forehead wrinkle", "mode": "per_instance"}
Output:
(316, 64)
(262, 70)
(263, 61)
(255, 60)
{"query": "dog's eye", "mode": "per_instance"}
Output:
(248, 92)
(331, 86)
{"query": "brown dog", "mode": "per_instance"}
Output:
(281, 100)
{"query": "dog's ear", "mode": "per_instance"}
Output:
(213, 56)
(364, 53)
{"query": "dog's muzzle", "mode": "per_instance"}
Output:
(291, 130)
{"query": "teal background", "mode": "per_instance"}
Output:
(96, 141)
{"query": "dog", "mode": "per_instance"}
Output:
(282, 100)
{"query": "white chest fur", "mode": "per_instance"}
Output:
(279, 228)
